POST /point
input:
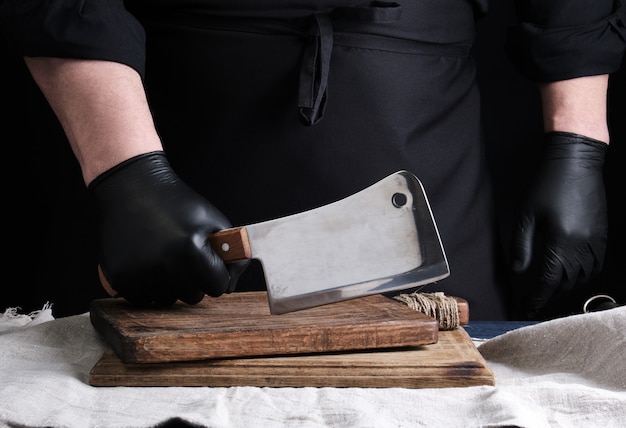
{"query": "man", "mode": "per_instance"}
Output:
(268, 109)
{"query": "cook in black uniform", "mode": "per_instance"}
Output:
(267, 108)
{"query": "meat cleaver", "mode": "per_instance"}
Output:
(381, 239)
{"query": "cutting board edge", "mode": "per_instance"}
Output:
(452, 362)
(145, 350)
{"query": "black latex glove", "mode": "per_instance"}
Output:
(566, 206)
(152, 232)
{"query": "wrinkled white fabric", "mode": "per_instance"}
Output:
(587, 349)
(563, 373)
(12, 319)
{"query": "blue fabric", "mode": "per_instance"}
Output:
(491, 329)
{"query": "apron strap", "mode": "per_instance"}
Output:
(315, 65)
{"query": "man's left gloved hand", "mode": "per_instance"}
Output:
(566, 206)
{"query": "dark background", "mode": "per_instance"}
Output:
(44, 203)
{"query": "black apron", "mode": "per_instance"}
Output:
(275, 107)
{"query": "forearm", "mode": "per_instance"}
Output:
(577, 105)
(102, 107)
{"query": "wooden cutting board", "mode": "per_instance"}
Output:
(240, 325)
(453, 361)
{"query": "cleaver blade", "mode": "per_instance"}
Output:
(383, 238)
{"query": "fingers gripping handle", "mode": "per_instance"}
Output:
(105, 283)
(231, 244)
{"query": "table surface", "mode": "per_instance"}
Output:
(491, 329)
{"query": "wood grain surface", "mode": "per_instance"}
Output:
(240, 325)
(453, 361)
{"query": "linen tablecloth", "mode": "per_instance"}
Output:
(569, 372)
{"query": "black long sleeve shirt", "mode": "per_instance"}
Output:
(553, 40)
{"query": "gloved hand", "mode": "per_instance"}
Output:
(152, 232)
(566, 206)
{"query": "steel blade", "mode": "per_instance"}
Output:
(383, 238)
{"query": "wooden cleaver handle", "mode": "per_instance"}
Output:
(231, 244)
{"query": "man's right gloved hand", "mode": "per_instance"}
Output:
(152, 232)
